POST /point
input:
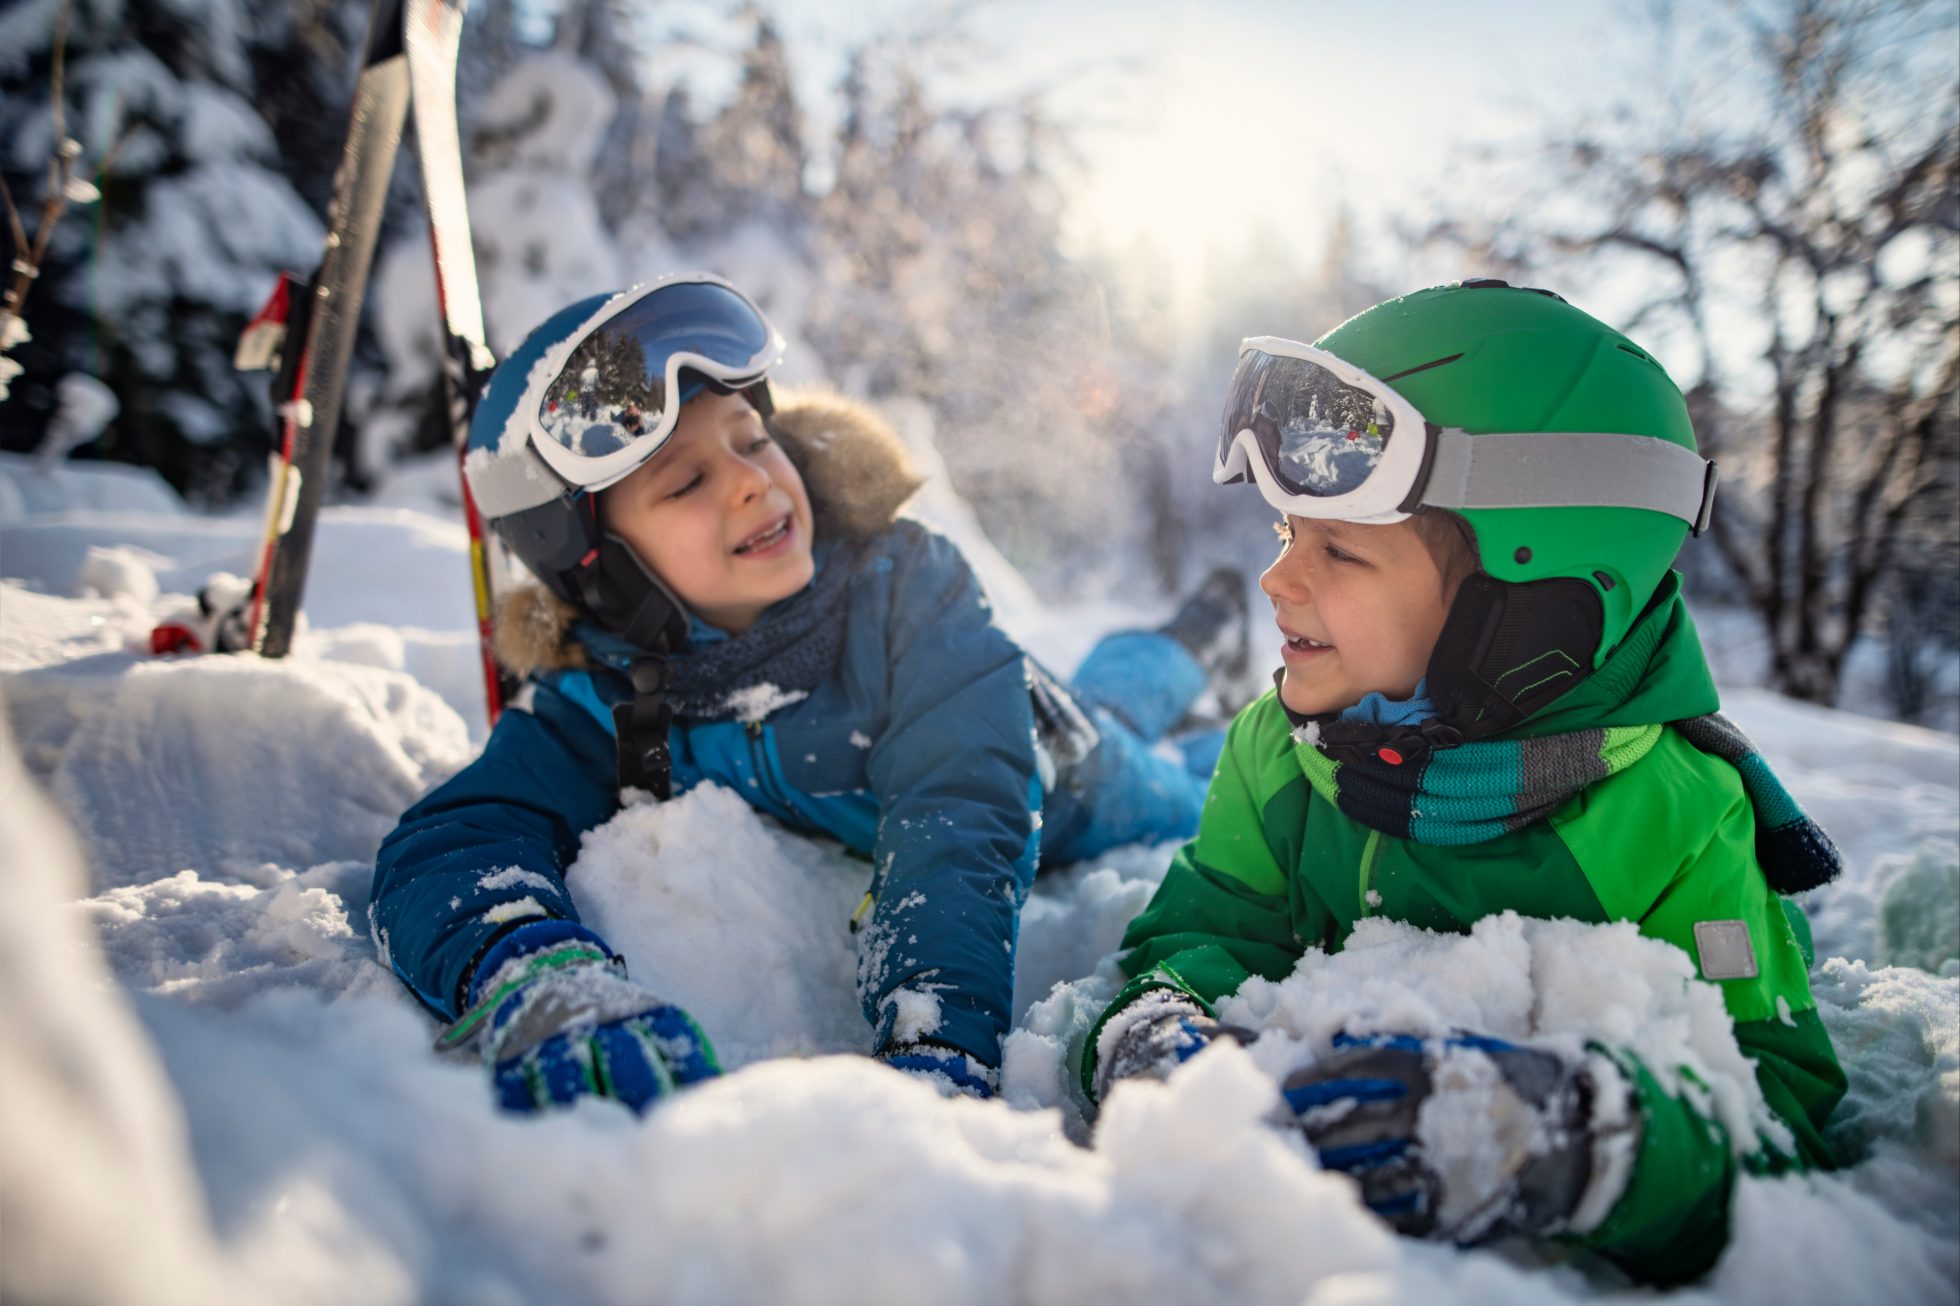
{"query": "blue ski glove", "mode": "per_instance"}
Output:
(1154, 1035)
(947, 1069)
(1467, 1138)
(559, 1020)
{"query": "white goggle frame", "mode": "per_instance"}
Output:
(597, 471)
(1424, 465)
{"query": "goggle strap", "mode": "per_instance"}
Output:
(1413, 500)
(1566, 469)
(760, 398)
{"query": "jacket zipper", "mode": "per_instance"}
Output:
(1370, 851)
(759, 758)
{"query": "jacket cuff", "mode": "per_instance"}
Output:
(1159, 979)
(909, 1017)
(1671, 1220)
(521, 941)
(959, 1071)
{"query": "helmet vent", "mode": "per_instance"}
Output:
(1493, 283)
(1421, 367)
(1644, 357)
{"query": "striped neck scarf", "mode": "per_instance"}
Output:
(1475, 792)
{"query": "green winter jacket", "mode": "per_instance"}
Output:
(1668, 842)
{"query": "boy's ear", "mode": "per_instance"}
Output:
(1510, 649)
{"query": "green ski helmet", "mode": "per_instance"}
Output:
(1563, 584)
(1486, 356)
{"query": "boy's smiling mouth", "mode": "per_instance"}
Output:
(775, 533)
(1298, 645)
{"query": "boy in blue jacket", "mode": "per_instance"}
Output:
(728, 595)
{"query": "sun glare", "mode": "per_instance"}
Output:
(1226, 145)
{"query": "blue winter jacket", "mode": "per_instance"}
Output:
(918, 751)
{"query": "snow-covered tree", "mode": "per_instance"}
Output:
(757, 138)
(942, 277)
(151, 295)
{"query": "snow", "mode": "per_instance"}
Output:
(216, 1092)
(28, 490)
(116, 572)
(758, 701)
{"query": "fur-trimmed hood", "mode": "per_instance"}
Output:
(854, 469)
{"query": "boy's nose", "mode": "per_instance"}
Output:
(752, 479)
(1286, 580)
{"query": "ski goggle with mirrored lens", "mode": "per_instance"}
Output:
(1322, 438)
(605, 400)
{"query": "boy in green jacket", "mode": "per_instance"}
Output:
(1492, 699)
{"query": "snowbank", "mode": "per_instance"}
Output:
(215, 1090)
(99, 1195)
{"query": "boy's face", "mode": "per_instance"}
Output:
(1360, 608)
(719, 514)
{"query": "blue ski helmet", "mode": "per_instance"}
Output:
(589, 396)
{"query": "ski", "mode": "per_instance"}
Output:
(432, 33)
(313, 377)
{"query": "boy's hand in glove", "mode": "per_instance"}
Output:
(558, 1020)
(1467, 1138)
(1154, 1035)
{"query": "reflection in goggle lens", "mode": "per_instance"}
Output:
(1317, 434)
(613, 388)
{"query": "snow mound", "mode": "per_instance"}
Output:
(223, 943)
(30, 490)
(224, 764)
(93, 1138)
(118, 572)
(1897, 1034)
(765, 962)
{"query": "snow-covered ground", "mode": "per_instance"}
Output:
(212, 1091)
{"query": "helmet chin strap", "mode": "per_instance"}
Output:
(1506, 651)
(622, 593)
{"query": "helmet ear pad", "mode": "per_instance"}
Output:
(623, 595)
(1508, 649)
(562, 543)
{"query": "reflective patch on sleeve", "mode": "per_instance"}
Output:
(1725, 950)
